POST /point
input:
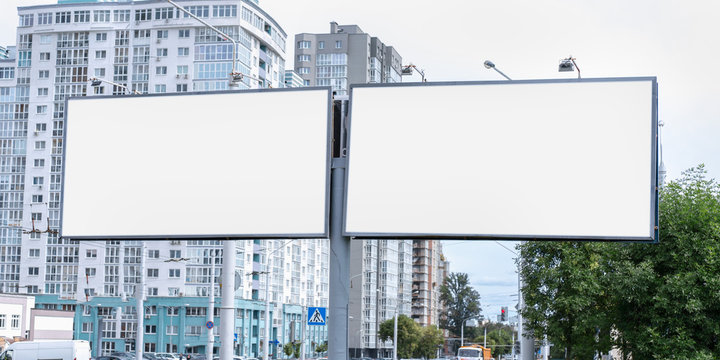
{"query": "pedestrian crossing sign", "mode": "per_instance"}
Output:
(316, 315)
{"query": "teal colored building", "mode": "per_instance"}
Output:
(177, 325)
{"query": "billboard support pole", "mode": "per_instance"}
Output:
(337, 318)
(227, 302)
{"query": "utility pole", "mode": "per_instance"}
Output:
(211, 308)
(140, 304)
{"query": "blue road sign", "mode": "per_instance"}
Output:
(235, 337)
(209, 324)
(316, 315)
(274, 342)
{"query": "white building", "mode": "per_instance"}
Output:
(150, 47)
(15, 315)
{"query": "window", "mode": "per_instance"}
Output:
(181, 88)
(2, 321)
(98, 90)
(173, 291)
(45, 18)
(162, 52)
(101, 15)
(7, 73)
(99, 72)
(87, 327)
(164, 13)
(63, 17)
(152, 291)
(33, 271)
(41, 109)
(44, 74)
(15, 322)
(173, 311)
(153, 273)
(174, 273)
(44, 56)
(143, 15)
(321, 44)
(304, 70)
(36, 216)
(338, 44)
(101, 37)
(42, 91)
(91, 253)
(303, 58)
(38, 180)
(38, 163)
(184, 33)
(121, 15)
(40, 127)
(171, 330)
(161, 70)
(34, 253)
(160, 88)
(40, 145)
(201, 11)
(193, 330)
(141, 34)
(37, 198)
(182, 69)
(153, 254)
(150, 347)
(224, 10)
(175, 254)
(100, 54)
(151, 329)
(90, 271)
(183, 51)
(162, 34)
(26, 20)
(303, 44)
(82, 16)
(306, 82)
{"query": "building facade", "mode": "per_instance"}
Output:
(429, 270)
(149, 47)
(292, 79)
(345, 56)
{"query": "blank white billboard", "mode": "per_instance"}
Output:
(215, 165)
(504, 160)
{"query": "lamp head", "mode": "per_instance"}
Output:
(488, 64)
(566, 65)
(95, 82)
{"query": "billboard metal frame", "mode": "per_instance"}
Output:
(654, 188)
(328, 161)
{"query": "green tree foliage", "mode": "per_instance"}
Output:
(427, 346)
(461, 300)
(408, 335)
(292, 349)
(653, 301)
(321, 348)
(497, 334)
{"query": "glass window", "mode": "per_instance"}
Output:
(338, 44)
(321, 44)
(304, 44)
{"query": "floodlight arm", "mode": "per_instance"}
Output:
(222, 34)
(135, 92)
(489, 65)
(576, 66)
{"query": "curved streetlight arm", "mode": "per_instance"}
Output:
(234, 75)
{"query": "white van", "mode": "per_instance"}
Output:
(47, 350)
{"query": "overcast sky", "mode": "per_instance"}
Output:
(673, 40)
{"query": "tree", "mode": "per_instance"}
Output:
(652, 301)
(668, 294)
(321, 348)
(428, 341)
(408, 335)
(461, 300)
(292, 349)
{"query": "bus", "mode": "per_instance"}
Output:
(474, 352)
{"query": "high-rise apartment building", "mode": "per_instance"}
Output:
(380, 286)
(429, 270)
(150, 47)
(345, 56)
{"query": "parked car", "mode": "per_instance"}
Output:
(167, 356)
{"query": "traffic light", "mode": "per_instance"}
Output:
(504, 313)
